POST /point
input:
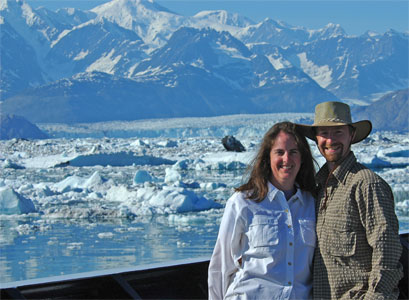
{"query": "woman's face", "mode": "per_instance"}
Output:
(285, 161)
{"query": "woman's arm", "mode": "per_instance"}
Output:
(226, 254)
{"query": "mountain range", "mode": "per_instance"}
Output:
(135, 59)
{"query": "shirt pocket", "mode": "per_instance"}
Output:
(340, 242)
(263, 231)
(307, 231)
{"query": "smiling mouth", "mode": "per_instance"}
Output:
(286, 167)
(333, 148)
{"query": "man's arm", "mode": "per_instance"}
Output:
(382, 233)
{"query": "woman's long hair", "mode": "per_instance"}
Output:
(260, 169)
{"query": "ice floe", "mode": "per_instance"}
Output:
(12, 202)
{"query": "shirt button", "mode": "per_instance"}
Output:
(291, 244)
(289, 283)
(286, 210)
(289, 226)
(289, 263)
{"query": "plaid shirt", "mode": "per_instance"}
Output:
(358, 237)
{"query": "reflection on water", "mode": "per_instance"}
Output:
(74, 247)
(71, 247)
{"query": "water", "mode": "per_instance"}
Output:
(80, 246)
(40, 246)
(57, 247)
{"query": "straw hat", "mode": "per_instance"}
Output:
(336, 114)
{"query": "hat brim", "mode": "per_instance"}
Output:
(362, 129)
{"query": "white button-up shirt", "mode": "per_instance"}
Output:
(264, 250)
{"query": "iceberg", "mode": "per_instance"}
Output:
(12, 203)
(181, 200)
(142, 176)
(118, 159)
(76, 183)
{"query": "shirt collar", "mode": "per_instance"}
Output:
(340, 172)
(272, 192)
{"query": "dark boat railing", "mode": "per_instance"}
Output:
(180, 279)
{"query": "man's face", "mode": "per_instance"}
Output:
(334, 142)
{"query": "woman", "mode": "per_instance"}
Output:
(266, 240)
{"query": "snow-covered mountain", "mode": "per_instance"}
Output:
(355, 67)
(221, 61)
(281, 34)
(97, 45)
(151, 21)
(199, 72)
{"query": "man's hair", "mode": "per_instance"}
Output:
(260, 169)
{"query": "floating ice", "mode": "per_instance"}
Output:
(172, 175)
(121, 194)
(139, 143)
(377, 162)
(155, 200)
(13, 203)
(43, 190)
(168, 144)
(181, 200)
(76, 183)
(186, 164)
(118, 159)
(212, 185)
(225, 161)
(8, 164)
(403, 205)
(384, 156)
(142, 176)
(187, 185)
(184, 219)
(75, 246)
(105, 235)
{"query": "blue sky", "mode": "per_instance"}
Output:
(356, 17)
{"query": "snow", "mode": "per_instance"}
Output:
(105, 63)
(81, 55)
(146, 18)
(278, 63)
(321, 74)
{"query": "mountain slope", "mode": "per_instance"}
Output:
(97, 97)
(390, 112)
(349, 67)
(97, 45)
(13, 126)
(20, 68)
(151, 21)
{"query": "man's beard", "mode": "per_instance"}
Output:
(335, 157)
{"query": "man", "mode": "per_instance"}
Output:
(358, 251)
